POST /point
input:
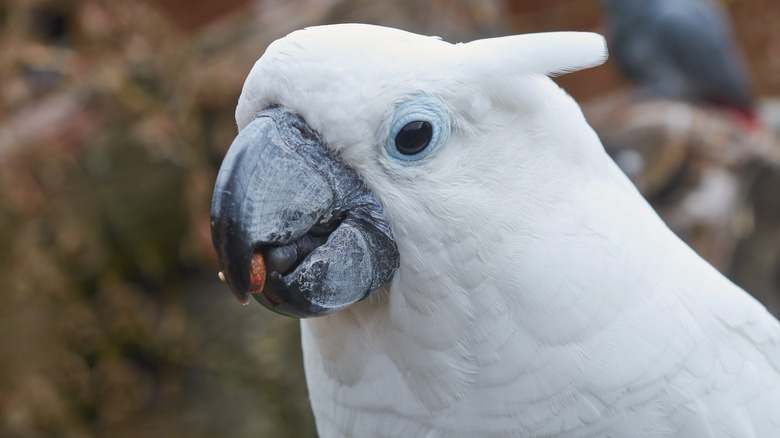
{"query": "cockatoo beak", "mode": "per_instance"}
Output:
(293, 225)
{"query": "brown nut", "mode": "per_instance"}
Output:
(257, 274)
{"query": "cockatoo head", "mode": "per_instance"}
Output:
(359, 146)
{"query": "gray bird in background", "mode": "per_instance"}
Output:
(681, 49)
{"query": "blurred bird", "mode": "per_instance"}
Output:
(681, 49)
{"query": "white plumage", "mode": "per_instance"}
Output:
(538, 294)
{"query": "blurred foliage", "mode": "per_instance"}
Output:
(114, 324)
(114, 116)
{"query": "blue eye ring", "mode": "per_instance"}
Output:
(428, 117)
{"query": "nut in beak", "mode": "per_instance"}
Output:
(257, 273)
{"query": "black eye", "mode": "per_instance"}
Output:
(413, 137)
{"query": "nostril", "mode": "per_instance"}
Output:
(284, 259)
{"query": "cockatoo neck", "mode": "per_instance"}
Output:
(500, 245)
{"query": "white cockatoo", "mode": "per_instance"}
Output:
(468, 260)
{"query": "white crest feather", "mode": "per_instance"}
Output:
(550, 53)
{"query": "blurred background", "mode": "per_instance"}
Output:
(114, 117)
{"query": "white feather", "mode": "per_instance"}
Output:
(550, 53)
(538, 293)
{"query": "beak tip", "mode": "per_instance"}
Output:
(242, 298)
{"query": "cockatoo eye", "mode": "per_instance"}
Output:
(419, 126)
(414, 137)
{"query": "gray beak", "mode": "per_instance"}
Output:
(284, 201)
